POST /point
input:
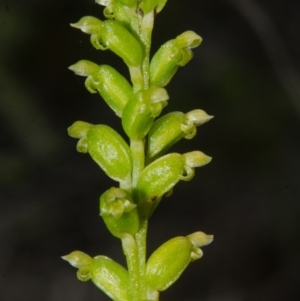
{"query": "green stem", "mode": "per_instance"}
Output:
(135, 250)
(146, 24)
(131, 252)
(137, 148)
(136, 78)
(146, 27)
(141, 242)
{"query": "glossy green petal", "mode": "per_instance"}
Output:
(167, 263)
(170, 56)
(111, 85)
(109, 150)
(111, 278)
(160, 176)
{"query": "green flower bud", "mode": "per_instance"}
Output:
(114, 88)
(106, 274)
(112, 35)
(119, 212)
(170, 56)
(172, 127)
(127, 16)
(111, 85)
(141, 110)
(79, 130)
(163, 174)
(125, 13)
(167, 263)
(164, 64)
(148, 5)
(106, 147)
(109, 150)
(110, 277)
(119, 40)
(81, 261)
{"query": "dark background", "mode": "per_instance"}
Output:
(246, 74)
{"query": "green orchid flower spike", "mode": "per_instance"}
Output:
(137, 159)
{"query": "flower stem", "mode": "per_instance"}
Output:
(131, 252)
(141, 242)
(135, 251)
(146, 27)
(137, 148)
